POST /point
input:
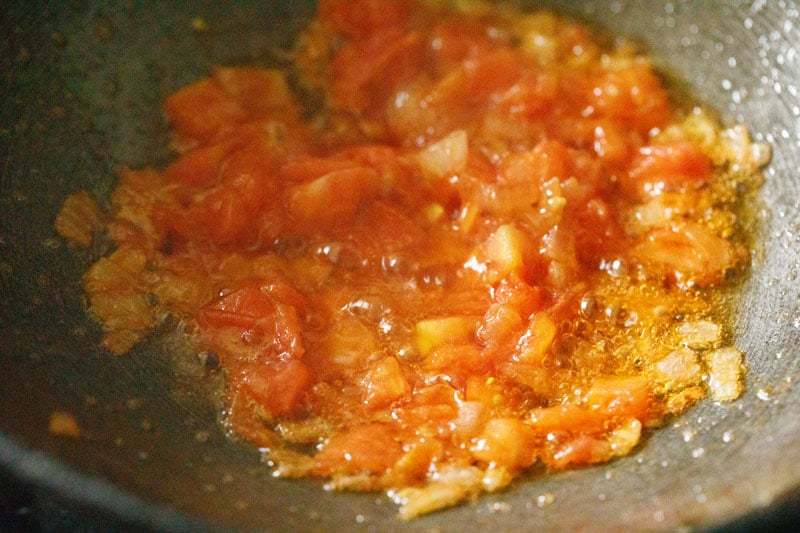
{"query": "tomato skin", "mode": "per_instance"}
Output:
(261, 315)
(225, 213)
(240, 309)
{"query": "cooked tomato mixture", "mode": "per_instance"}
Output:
(450, 243)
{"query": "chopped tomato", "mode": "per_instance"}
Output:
(241, 309)
(666, 168)
(621, 397)
(506, 442)
(382, 64)
(359, 18)
(199, 167)
(334, 198)
(277, 388)
(200, 110)
(370, 448)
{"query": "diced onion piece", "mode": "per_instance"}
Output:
(333, 198)
(725, 374)
(445, 157)
(506, 249)
(700, 335)
(536, 341)
(454, 484)
(507, 443)
(434, 332)
(495, 478)
(384, 383)
(625, 437)
(78, 218)
(679, 367)
(63, 424)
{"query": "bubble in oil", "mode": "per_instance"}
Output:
(543, 500)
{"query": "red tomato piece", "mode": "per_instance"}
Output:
(201, 109)
(278, 388)
(367, 73)
(666, 167)
(333, 199)
(310, 168)
(568, 419)
(621, 397)
(199, 167)
(358, 18)
(581, 450)
(240, 309)
(369, 448)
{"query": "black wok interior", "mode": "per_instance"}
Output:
(81, 91)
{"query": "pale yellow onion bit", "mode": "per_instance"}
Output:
(452, 485)
(446, 157)
(725, 373)
(79, 217)
(700, 334)
(625, 437)
(679, 368)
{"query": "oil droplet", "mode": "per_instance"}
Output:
(727, 436)
(543, 500)
(762, 395)
(698, 452)
(500, 507)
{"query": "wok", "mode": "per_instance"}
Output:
(81, 90)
